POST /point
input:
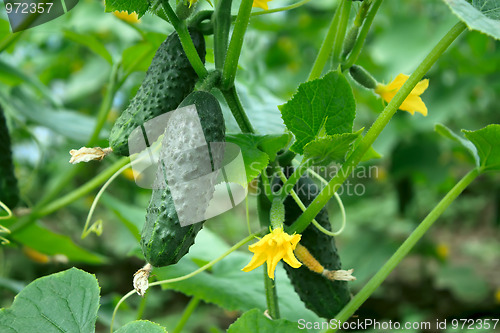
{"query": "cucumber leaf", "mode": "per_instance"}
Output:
(258, 150)
(255, 321)
(329, 149)
(481, 15)
(62, 302)
(143, 326)
(487, 142)
(323, 106)
(448, 133)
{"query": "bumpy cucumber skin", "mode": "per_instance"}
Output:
(326, 298)
(164, 241)
(9, 193)
(169, 79)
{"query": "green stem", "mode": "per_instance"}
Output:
(326, 47)
(294, 178)
(267, 186)
(193, 303)
(210, 81)
(234, 50)
(280, 9)
(186, 41)
(105, 106)
(340, 34)
(358, 45)
(72, 196)
(222, 25)
(142, 306)
(233, 101)
(405, 248)
(271, 295)
(377, 127)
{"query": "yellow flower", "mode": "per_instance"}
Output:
(261, 4)
(125, 16)
(272, 248)
(413, 103)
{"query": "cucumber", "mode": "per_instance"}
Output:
(169, 79)
(164, 241)
(9, 193)
(326, 298)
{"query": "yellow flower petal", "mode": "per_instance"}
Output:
(413, 103)
(125, 16)
(261, 4)
(398, 82)
(271, 249)
(420, 87)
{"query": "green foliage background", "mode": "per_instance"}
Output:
(52, 82)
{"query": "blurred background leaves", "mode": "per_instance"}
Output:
(52, 82)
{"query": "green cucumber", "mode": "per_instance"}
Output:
(169, 79)
(9, 193)
(325, 297)
(164, 241)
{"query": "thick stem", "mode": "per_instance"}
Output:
(358, 45)
(405, 248)
(348, 167)
(237, 110)
(234, 50)
(340, 34)
(271, 295)
(193, 303)
(326, 47)
(222, 25)
(186, 41)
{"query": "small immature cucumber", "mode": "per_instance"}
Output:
(169, 79)
(9, 193)
(326, 298)
(164, 241)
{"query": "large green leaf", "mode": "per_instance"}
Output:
(138, 6)
(258, 150)
(255, 321)
(323, 106)
(329, 149)
(61, 302)
(487, 142)
(481, 15)
(142, 326)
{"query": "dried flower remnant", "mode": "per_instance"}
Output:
(141, 282)
(85, 154)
